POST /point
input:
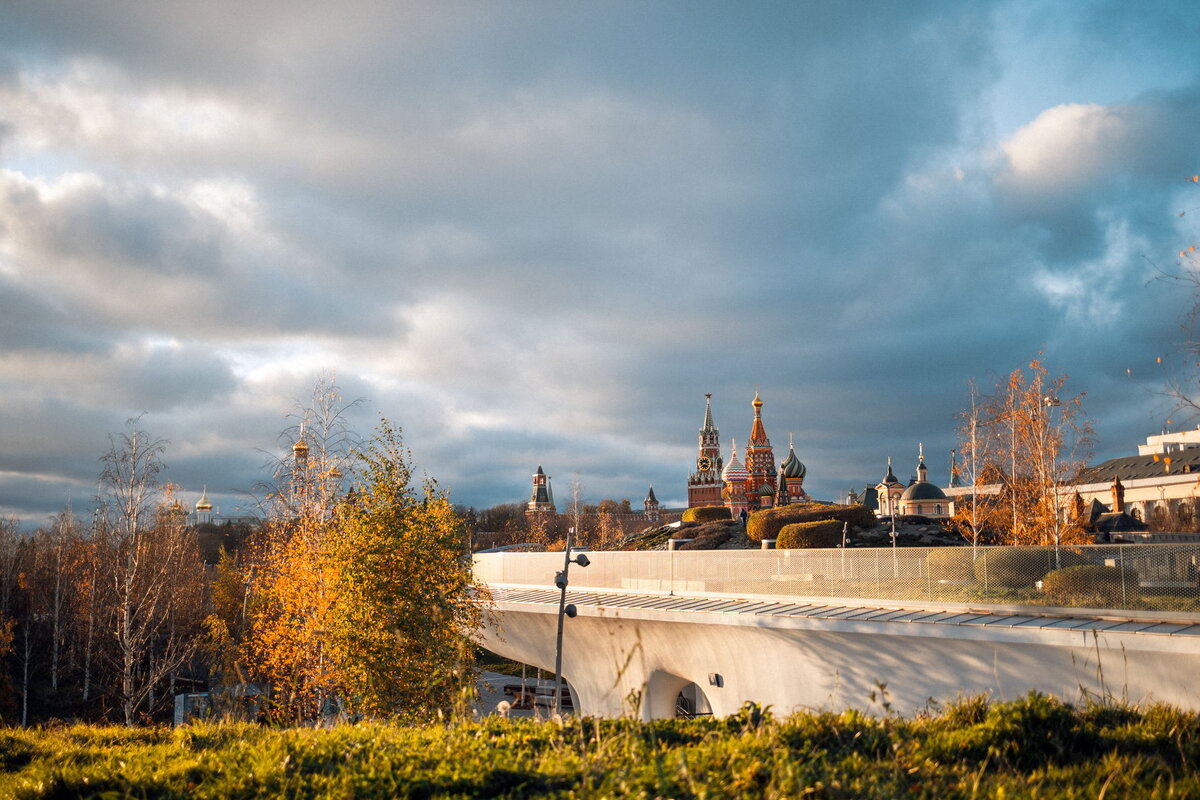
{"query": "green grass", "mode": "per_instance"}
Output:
(1034, 747)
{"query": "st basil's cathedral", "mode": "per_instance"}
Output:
(749, 486)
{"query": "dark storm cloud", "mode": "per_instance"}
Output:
(534, 233)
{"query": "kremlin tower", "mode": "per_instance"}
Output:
(705, 484)
(541, 501)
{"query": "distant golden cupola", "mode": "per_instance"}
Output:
(203, 503)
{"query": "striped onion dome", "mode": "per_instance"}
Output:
(792, 467)
(734, 471)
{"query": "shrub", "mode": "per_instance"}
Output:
(709, 536)
(1019, 567)
(800, 535)
(706, 514)
(953, 564)
(705, 536)
(767, 524)
(1090, 585)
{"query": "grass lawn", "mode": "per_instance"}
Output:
(1034, 747)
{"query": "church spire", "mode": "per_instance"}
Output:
(758, 434)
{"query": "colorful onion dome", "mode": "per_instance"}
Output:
(792, 467)
(734, 471)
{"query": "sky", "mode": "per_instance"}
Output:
(538, 232)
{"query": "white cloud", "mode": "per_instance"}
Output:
(1070, 146)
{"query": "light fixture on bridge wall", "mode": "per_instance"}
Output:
(715, 679)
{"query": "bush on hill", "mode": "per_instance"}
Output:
(767, 524)
(802, 535)
(709, 536)
(706, 514)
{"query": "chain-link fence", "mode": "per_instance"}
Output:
(1135, 577)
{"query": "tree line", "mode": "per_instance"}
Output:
(354, 594)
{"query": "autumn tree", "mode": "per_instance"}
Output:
(403, 612)
(1027, 441)
(152, 568)
(976, 513)
(318, 462)
(290, 567)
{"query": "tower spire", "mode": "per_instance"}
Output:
(708, 420)
(704, 485)
(758, 434)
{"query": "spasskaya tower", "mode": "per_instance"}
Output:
(705, 484)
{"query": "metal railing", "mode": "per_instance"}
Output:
(1134, 577)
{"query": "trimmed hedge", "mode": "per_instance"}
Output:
(1020, 567)
(951, 564)
(1090, 585)
(706, 514)
(767, 524)
(804, 535)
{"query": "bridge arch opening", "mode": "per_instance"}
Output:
(692, 702)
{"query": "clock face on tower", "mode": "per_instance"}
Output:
(704, 463)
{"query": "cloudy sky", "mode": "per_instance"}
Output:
(540, 232)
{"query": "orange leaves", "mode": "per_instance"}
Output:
(1025, 438)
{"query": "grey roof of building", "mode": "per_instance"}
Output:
(923, 490)
(1117, 523)
(1133, 467)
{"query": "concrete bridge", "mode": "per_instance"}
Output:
(657, 632)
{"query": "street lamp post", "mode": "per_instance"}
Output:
(564, 610)
(1052, 402)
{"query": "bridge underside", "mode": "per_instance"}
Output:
(630, 654)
